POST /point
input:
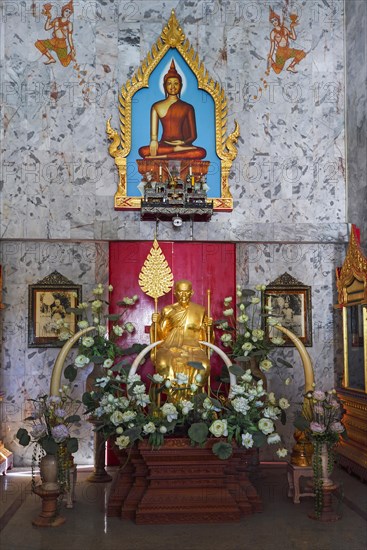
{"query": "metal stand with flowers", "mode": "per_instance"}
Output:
(53, 447)
(242, 335)
(325, 429)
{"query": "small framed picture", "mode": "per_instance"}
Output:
(290, 301)
(48, 302)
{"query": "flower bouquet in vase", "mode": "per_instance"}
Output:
(324, 428)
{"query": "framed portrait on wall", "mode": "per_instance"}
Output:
(49, 301)
(290, 301)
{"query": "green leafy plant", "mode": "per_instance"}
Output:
(102, 345)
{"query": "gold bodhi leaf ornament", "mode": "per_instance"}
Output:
(155, 278)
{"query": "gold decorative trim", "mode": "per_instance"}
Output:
(172, 36)
(354, 267)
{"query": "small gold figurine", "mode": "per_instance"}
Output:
(181, 326)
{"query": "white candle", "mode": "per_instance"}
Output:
(190, 171)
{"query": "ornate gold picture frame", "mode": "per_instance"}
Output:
(291, 305)
(172, 54)
(48, 302)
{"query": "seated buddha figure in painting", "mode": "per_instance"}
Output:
(178, 124)
(181, 326)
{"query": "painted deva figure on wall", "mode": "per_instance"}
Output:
(178, 124)
(280, 51)
(61, 42)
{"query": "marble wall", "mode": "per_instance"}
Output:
(356, 111)
(26, 372)
(58, 181)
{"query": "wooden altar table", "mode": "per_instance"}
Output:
(179, 483)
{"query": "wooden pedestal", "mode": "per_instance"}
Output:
(327, 512)
(183, 484)
(49, 516)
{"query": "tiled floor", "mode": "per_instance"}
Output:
(282, 524)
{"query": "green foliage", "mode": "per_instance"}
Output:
(198, 432)
(222, 450)
(70, 373)
(23, 437)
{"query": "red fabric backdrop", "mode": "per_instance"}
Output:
(207, 265)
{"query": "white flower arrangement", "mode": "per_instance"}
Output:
(128, 412)
(243, 336)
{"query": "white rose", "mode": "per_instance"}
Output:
(283, 403)
(169, 411)
(96, 305)
(186, 406)
(255, 300)
(83, 324)
(181, 378)
(127, 416)
(265, 365)
(122, 441)
(117, 330)
(129, 327)
(277, 341)
(119, 430)
(149, 428)
(228, 312)
(241, 404)
(219, 428)
(88, 341)
(282, 452)
(266, 426)
(116, 418)
(193, 388)
(157, 378)
(242, 318)
(80, 361)
(273, 438)
(163, 429)
(247, 377)
(107, 363)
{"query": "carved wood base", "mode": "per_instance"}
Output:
(49, 516)
(183, 484)
(327, 512)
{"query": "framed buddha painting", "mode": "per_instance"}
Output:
(173, 127)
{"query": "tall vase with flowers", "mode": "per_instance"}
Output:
(324, 428)
(241, 331)
(51, 423)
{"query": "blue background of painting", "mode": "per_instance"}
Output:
(204, 107)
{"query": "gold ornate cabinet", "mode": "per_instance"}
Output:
(351, 281)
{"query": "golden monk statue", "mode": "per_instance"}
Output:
(178, 122)
(181, 326)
